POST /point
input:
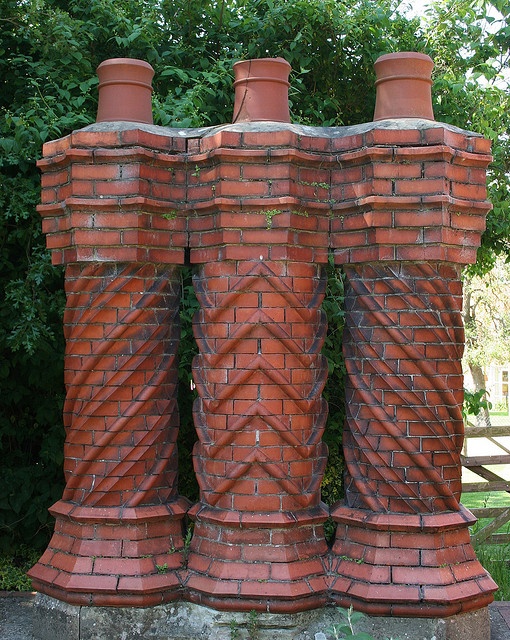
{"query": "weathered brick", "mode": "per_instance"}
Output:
(139, 196)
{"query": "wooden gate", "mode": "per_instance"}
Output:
(492, 481)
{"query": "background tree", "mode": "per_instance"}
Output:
(487, 325)
(49, 50)
(470, 44)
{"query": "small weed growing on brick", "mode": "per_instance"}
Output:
(162, 568)
(234, 630)
(356, 560)
(252, 626)
(269, 216)
(187, 545)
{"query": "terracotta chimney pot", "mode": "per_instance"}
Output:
(261, 90)
(403, 86)
(125, 90)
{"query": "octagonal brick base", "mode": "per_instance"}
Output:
(113, 557)
(407, 564)
(56, 620)
(261, 562)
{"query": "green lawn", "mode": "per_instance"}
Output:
(489, 499)
(495, 558)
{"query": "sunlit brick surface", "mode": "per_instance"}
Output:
(257, 208)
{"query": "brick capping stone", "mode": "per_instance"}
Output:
(258, 207)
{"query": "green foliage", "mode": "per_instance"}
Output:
(347, 627)
(474, 402)
(188, 484)
(187, 544)
(332, 485)
(49, 50)
(14, 566)
(494, 558)
(469, 44)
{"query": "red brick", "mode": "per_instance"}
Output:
(424, 186)
(396, 137)
(398, 172)
(280, 479)
(56, 146)
(270, 138)
(94, 139)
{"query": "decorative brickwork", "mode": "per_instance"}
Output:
(403, 343)
(120, 517)
(260, 237)
(401, 234)
(120, 413)
(260, 418)
(402, 541)
(402, 205)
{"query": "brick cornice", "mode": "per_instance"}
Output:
(411, 203)
(411, 188)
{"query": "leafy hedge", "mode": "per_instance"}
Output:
(49, 50)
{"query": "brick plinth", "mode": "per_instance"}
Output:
(258, 539)
(113, 556)
(275, 562)
(390, 564)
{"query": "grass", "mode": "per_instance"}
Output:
(495, 558)
(489, 499)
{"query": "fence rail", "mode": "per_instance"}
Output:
(491, 482)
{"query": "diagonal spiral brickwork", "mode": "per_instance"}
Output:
(259, 417)
(402, 542)
(120, 514)
(403, 345)
(122, 332)
(411, 216)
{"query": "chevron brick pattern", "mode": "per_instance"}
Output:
(260, 417)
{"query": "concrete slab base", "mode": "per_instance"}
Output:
(56, 620)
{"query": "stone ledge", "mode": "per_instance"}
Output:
(56, 620)
(401, 124)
